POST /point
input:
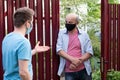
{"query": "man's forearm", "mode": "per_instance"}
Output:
(25, 76)
(85, 57)
(72, 59)
(65, 55)
(33, 52)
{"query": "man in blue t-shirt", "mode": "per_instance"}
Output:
(16, 48)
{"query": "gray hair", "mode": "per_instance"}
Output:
(78, 19)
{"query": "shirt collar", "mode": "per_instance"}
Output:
(79, 31)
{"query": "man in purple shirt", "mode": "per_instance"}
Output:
(74, 48)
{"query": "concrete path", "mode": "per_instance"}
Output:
(62, 78)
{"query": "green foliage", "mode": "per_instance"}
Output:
(114, 2)
(94, 63)
(94, 10)
(96, 75)
(113, 75)
(92, 18)
(96, 58)
(95, 42)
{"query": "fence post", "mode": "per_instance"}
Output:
(2, 34)
(104, 38)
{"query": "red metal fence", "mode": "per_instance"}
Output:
(46, 26)
(110, 45)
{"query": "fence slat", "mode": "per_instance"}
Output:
(114, 36)
(118, 31)
(55, 29)
(109, 29)
(104, 38)
(33, 40)
(2, 34)
(47, 39)
(40, 38)
(9, 15)
(17, 4)
(23, 3)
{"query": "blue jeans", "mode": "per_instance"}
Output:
(80, 75)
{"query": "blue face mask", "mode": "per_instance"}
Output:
(29, 29)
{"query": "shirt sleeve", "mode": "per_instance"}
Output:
(88, 45)
(59, 42)
(24, 51)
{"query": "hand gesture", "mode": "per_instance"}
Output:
(39, 48)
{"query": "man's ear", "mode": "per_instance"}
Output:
(26, 24)
(77, 22)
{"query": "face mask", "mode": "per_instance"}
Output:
(29, 29)
(70, 27)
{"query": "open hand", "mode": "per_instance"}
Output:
(39, 48)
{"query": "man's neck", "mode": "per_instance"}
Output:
(73, 31)
(20, 30)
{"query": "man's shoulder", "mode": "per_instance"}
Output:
(63, 30)
(16, 38)
(82, 31)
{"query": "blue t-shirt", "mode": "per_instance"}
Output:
(15, 47)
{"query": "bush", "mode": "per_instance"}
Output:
(96, 75)
(95, 42)
(94, 63)
(113, 75)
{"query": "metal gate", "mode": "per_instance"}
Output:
(110, 45)
(46, 26)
